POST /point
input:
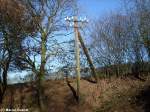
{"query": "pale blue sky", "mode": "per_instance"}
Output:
(94, 9)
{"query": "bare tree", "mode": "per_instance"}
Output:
(122, 38)
(13, 28)
(110, 42)
(49, 16)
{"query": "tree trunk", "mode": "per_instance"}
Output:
(3, 84)
(41, 74)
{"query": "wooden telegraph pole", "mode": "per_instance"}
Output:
(77, 56)
(78, 39)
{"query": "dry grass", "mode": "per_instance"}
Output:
(109, 95)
